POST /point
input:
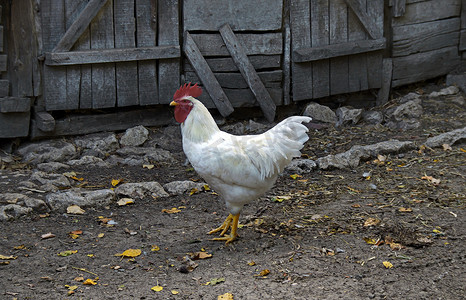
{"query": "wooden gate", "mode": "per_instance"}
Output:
(109, 53)
(335, 46)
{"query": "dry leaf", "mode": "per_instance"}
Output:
(264, 272)
(371, 222)
(67, 252)
(173, 210)
(75, 234)
(404, 209)
(47, 235)
(100, 235)
(89, 282)
(116, 182)
(71, 287)
(193, 191)
(446, 147)
(74, 209)
(80, 278)
(125, 201)
(157, 288)
(7, 257)
(149, 167)
(215, 281)
(155, 248)
(174, 292)
(226, 296)
(200, 255)
(252, 263)
(353, 190)
(206, 187)
(431, 179)
(130, 253)
(387, 264)
(295, 176)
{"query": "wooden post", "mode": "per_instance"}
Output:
(249, 73)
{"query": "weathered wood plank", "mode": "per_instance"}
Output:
(301, 73)
(13, 125)
(320, 37)
(146, 20)
(463, 14)
(44, 121)
(77, 28)
(286, 55)
(1, 38)
(53, 28)
(375, 11)
(462, 45)
(357, 63)
(420, 66)
(384, 92)
(240, 14)
(4, 87)
(263, 44)
(226, 64)
(111, 55)
(168, 35)
(244, 97)
(103, 75)
(271, 79)
(247, 70)
(73, 9)
(414, 38)
(207, 76)
(85, 124)
(3, 62)
(360, 10)
(398, 8)
(338, 12)
(336, 50)
(430, 10)
(14, 104)
(126, 72)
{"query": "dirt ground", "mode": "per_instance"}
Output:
(387, 229)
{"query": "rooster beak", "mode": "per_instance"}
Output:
(173, 103)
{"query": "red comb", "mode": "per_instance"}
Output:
(187, 90)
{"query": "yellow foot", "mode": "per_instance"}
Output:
(230, 222)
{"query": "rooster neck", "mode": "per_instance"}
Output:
(199, 126)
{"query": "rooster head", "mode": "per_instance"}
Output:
(182, 102)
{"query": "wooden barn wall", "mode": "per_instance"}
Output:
(258, 28)
(115, 79)
(425, 40)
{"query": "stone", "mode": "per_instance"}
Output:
(183, 187)
(256, 128)
(448, 138)
(141, 190)
(237, 128)
(405, 116)
(372, 117)
(149, 154)
(99, 144)
(135, 136)
(47, 151)
(11, 211)
(51, 167)
(50, 181)
(409, 97)
(36, 204)
(301, 166)
(320, 113)
(451, 90)
(347, 115)
(457, 79)
(352, 157)
(83, 198)
(89, 160)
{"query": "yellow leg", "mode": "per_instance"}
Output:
(230, 222)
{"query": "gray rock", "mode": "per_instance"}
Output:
(11, 211)
(11, 198)
(36, 204)
(135, 136)
(352, 157)
(449, 138)
(457, 79)
(255, 127)
(459, 100)
(51, 167)
(301, 166)
(405, 116)
(84, 198)
(236, 128)
(409, 97)
(99, 144)
(182, 187)
(141, 190)
(348, 115)
(50, 182)
(88, 160)
(372, 117)
(47, 151)
(320, 113)
(149, 154)
(451, 90)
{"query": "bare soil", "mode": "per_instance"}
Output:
(325, 235)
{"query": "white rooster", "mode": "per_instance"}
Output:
(239, 168)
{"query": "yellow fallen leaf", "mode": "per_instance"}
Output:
(130, 253)
(404, 209)
(295, 176)
(353, 190)
(149, 167)
(47, 235)
(100, 235)
(431, 179)
(115, 182)
(157, 288)
(370, 241)
(173, 210)
(67, 252)
(387, 264)
(193, 191)
(79, 278)
(71, 287)
(462, 150)
(155, 248)
(20, 247)
(226, 296)
(7, 257)
(174, 292)
(89, 282)
(74, 209)
(252, 263)
(446, 147)
(90, 255)
(125, 201)
(280, 198)
(264, 272)
(206, 187)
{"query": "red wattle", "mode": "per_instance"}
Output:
(182, 112)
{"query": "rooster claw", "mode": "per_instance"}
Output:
(230, 222)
